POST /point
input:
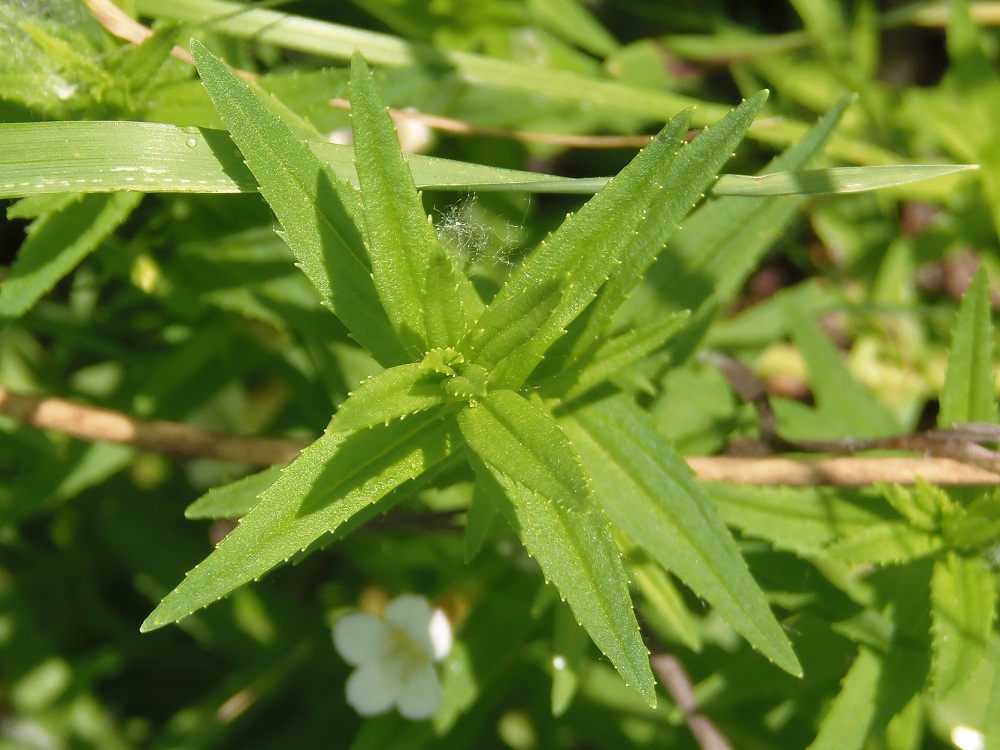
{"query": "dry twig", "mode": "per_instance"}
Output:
(184, 441)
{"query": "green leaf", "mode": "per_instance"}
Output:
(478, 522)
(834, 180)
(56, 244)
(314, 209)
(336, 477)
(650, 494)
(625, 226)
(709, 259)
(802, 520)
(963, 603)
(968, 393)
(876, 688)
(847, 724)
(516, 438)
(234, 499)
(507, 326)
(333, 40)
(588, 246)
(40, 158)
(615, 355)
(886, 543)
(388, 395)
(925, 506)
(836, 391)
(545, 497)
(401, 240)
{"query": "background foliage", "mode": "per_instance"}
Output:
(185, 305)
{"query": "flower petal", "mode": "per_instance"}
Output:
(421, 695)
(440, 632)
(412, 614)
(372, 689)
(360, 638)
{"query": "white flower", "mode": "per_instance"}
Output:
(395, 657)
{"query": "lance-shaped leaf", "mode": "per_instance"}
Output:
(388, 395)
(336, 477)
(546, 498)
(967, 395)
(508, 325)
(588, 246)
(876, 688)
(401, 240)
(234, 499)
(963, 603)
(614, 355)
(665, 199)
(651, 496)
(834, 180)
(314, 208)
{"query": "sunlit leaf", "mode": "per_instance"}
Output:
(545, 497)
(315, 208)
(334, 478)
(651, 496)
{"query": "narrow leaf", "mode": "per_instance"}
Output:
(888, 543)
(721, 243)
(968, 393)
(314, 209)
(389, 395)
(615, 355)
(876, 688)
(515, 437)
(56, 244)
(835, 180)
(400, 238)
(589, 245)
(334, 478)
(39, 158)
(650, 494)
(664, 199)
(963, 603)
(234, 499)
(546, 499)
(508, 325)
(801, 520)
(665, 602)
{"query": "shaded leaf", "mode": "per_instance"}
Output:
(963, 605)
(56, 244)
(835, 389)
(968, 392)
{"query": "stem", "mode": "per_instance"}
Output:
(184, 441)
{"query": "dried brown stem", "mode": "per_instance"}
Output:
(460, 127)
(184, 441)
(177, 440)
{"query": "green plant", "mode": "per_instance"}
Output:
(554, 396)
